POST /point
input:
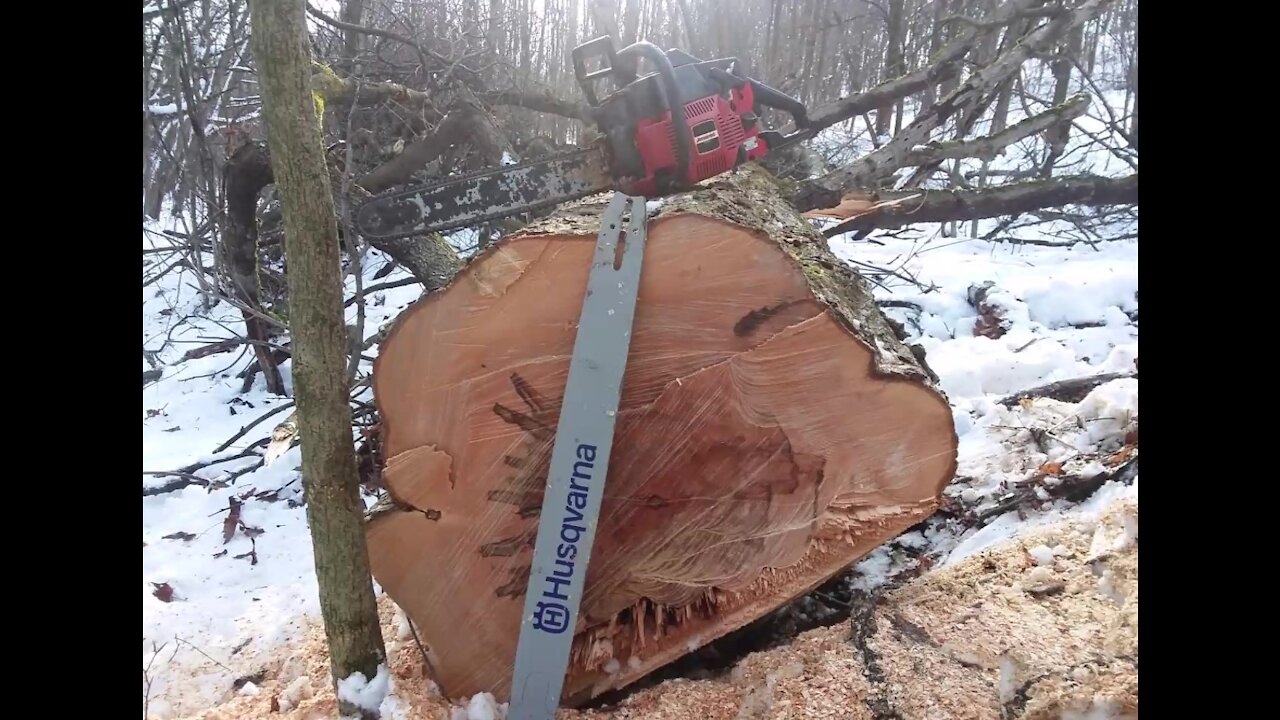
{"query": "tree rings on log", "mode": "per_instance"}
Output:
(772, 430)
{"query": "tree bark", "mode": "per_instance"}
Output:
(334, 508)
(772, 430)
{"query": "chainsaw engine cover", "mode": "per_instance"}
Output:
(721, 126)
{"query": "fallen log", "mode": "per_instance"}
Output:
(772, 430)
(892, 209)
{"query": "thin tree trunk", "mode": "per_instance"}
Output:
(1057, 137)
(892, 63)
(352, 12)
(334, 508)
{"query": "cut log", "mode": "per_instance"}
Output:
(772, 430)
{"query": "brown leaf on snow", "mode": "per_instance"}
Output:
(163, 592)
(1124, 454)
(991, 322)
(233, 519)
(1051, 468)
(184, 536)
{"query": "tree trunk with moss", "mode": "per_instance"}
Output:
(334, 508)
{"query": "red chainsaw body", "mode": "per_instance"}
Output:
(719, 140)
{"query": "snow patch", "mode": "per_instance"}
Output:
(1041, 554)
(363, 693)
(481, 706)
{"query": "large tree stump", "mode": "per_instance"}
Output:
(772, 431)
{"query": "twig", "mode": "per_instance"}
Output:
(193, 647)
(426, 661)
(244, 430)
(146, 677)
(383, 286)
(901, 304)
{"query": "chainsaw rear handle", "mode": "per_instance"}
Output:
(623, 66)
(602, 46)
(769, 97)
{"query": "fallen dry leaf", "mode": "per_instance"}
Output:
(185, 536)
(163, 592)
(1124, 454)
(1051, 468)
(233, 519)
(220, 554)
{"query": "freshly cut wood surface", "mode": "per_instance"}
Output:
(772, 430)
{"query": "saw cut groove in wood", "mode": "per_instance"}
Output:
(772, 430)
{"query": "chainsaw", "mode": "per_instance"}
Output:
(661, 133)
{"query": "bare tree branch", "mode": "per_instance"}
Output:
(1011, 199)
(991, 146)
(538, 101)
(883, 162)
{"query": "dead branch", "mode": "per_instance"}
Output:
(1072, 488)
(338, 90)
(866, 172)
(538, 101)
(1011, 199)
(185, 476)
(889, 91)
(422, 52)
(994, 24)
(991, 146)
(212, 349)
(246, 173)
(467, 121)
(944, 66)
(1072, 390)
(246, 428)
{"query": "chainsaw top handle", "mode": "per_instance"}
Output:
(623, 66)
